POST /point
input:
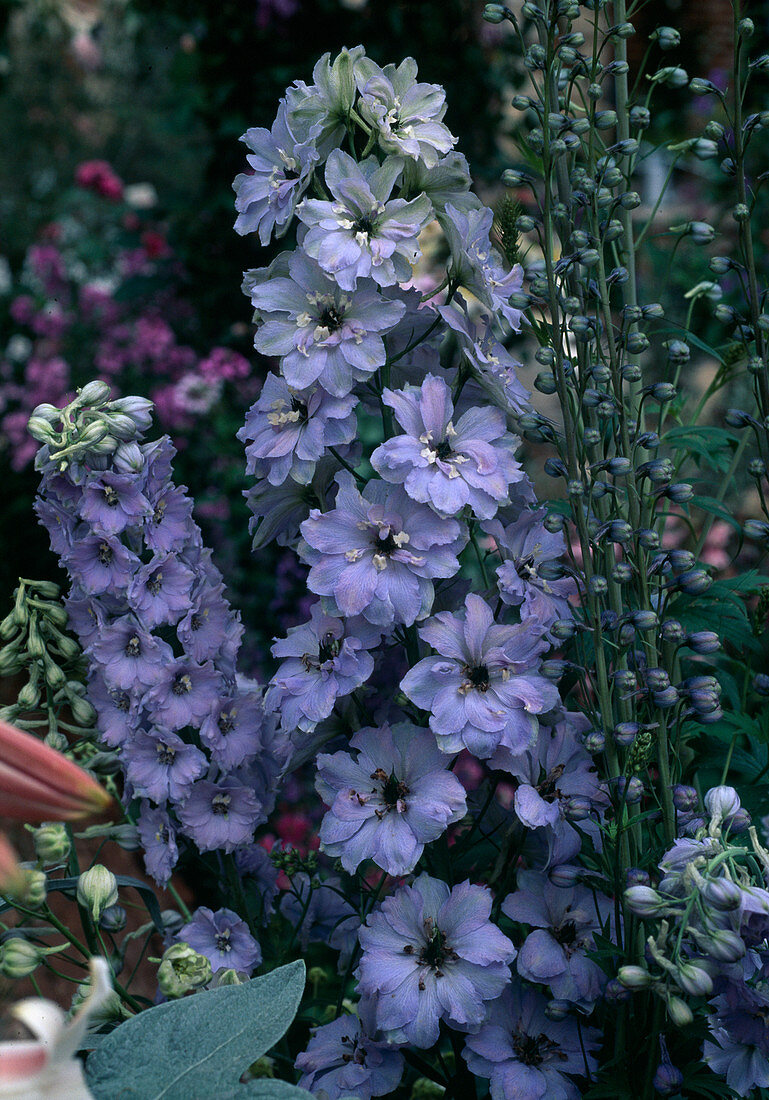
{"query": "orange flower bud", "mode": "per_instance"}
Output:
(37, 783)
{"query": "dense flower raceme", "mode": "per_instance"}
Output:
(138, 568)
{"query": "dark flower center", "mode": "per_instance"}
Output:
(226, 721)
(329, 647)
(155, 583)
(548, 786)
(525, 567)
(121, 700)
(196, 621)
(133, 646)
(166, 754)
(533, 1049)
(220, 804)
(363, 224)
(110, 496)
(394, 790)
(182, 684)
(386, 545)
(331, 318)
(443, 450)
(222, 940)
(160, 512)
(478, 677)
(358, 1054)
(435, 951)
(566, 934)
(298, 406)
(105, 553)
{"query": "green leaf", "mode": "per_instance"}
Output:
(198, 1046)
(715, 508)
(269, 1088)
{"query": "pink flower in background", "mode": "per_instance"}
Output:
(99, 176)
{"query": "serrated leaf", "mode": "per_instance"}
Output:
(198, 1046)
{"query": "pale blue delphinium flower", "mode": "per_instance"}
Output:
(363, 232)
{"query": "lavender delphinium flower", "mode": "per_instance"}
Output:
(406, 115)
(388, 802)
(444, 464)
(160, 766)
(220, 814)
(431, 953)
(158, 838)
(526, 1055)
(477, 266)
(483, 689)
(564, 920)
(100, 563)
(324, 334)
(182, 694)
(524, 546)
(160, 590)
(377, 552)
(555, 774)
(232, 729)
(223, 938)
(131, 657)
(364, 232)
(111, 502)
(326, 659)
(281, 169)
(492, 364)
(739, 1049)
(342, 1060)
(287, 431)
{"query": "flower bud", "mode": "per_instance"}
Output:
(594, 742)
(668, 1079)
(694, 582)
(557, 1010)
(685, 799)
(229, 977)
(113, 918)
(703, 641)
(565, 875)
(52, 844)
(34, 891)
(679, 1012)
(616, 993)
(694, 980)
(634, 876)
(634, 977)
(577, 808)
(93, 394)
(644, 901)
(40, 429)
(19, 958)
(667, 38)
(739, 822)
(494, 13)
(756, 529)
(625, 733)
(722, 945)
(97, 890)
(722, 802)
(182, 969)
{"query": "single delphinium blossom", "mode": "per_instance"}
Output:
(342, 1060)
(130, 657)
(232, 730)
(323, 333)
(287, 431)
(739, 1048)
(158, 839)
(490, 362)
(389, 801)
(477, 266)
(564, 920)
(160, 766)
(527, 1055)
(363, 232)
(483, 688)
(182, 695)
(406, 115)
(325, 659)
(524, 546)
(160, 590)
(281, 170)
(431, 953)
(376, 553)
(220, 814)
(447, 465)
(111, 502)
(223, 938)
(101, 564)
(558, 782)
